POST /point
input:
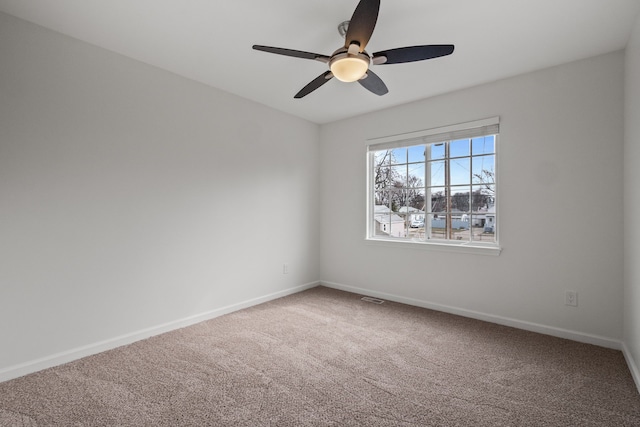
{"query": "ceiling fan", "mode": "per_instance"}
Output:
(351, 62)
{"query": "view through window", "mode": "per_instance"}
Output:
(437, 188)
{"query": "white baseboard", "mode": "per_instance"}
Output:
(88, 350)
(506, 321)
(632, 365)
(98, 347)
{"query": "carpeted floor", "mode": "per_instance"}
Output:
(325, 358)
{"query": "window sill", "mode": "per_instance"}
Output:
(465, 248)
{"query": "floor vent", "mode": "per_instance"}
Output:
(373, 300)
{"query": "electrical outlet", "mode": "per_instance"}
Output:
(285, 268)
(571, 298)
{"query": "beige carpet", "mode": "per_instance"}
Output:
(326, 358)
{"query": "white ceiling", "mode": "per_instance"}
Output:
(210, 41)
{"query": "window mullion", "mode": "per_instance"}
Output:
(447, 190)
(427, 193)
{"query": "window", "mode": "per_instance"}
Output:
(437, 186)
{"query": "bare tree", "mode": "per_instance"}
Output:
(460, 201)
(485, 194)
(393, 189)
(383, 177)
(487, 180)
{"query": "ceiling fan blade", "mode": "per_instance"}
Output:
(314, 84)
(412, 53)
(362, 23)
(291, 52)
(374, 83)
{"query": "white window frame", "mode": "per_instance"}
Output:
(489, 126)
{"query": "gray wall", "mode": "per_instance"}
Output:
(632, 204)
(133, 198)
(560, 205)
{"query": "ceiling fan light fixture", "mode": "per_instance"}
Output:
(349, 68)
(351, 62)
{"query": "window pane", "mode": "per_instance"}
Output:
(396, 198)
(484, 228)
(437, 151)
(382, 157)
(477, 225)
(383, 177)
(483, 145)
(437, 173)
(460, 200)
(382, 224)
(459, 148)
(389, 225)
(381, 169)
(484, 213)
(416, 153)
(438, 200)
(415, 200)
(417, 228)
(437, 226)
(491, 191)
(460, 230)
(400, 201)
(381, 200)
(479, 235)
(399, 155)
(399, 175)
(481, 198)
(460, 169)
(416, 175)
(484, 169)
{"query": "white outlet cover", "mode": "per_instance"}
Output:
(571, 298)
